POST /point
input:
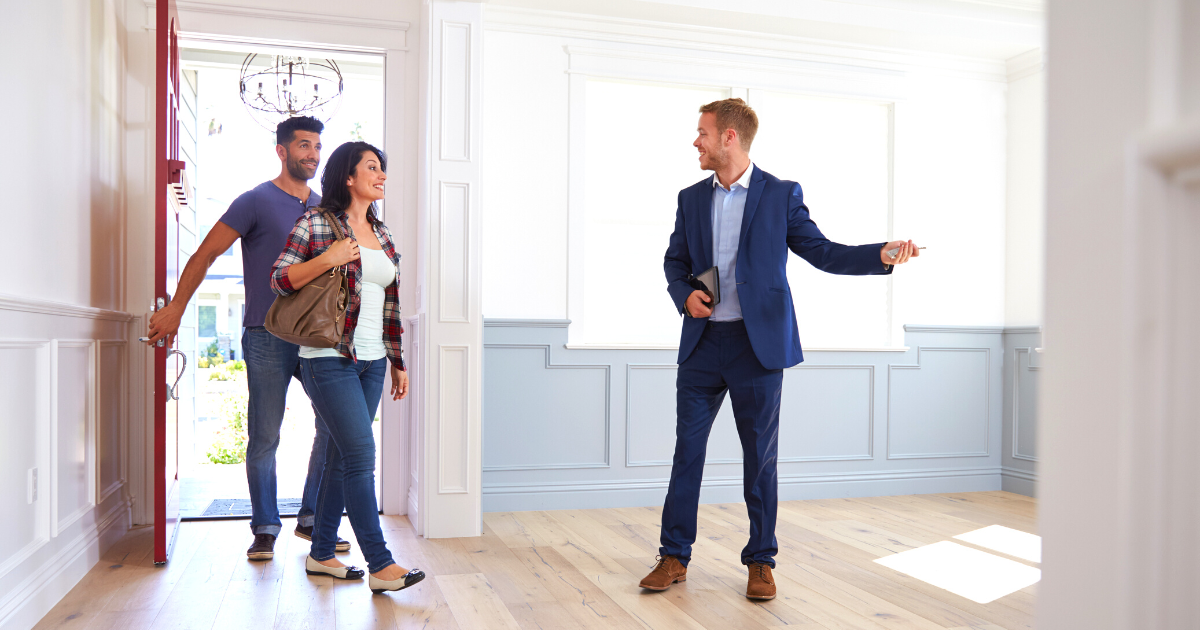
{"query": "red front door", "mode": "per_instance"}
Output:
(168, 363)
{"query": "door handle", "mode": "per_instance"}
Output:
(173, 393)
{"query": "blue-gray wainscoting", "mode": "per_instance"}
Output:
(586, 428)
(1022, 360)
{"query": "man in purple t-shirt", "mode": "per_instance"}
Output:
(263, 217)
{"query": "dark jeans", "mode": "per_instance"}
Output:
(271, 363)
(346, 395)
(724, 361)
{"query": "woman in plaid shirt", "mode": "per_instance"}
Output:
(345, 382)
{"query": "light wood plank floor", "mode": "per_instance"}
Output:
(566, 570)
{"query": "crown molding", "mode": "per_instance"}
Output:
(1025, 64)
(706, 39)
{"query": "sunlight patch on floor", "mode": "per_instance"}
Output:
(976, 575)
(1007, 541)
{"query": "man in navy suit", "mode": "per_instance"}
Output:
(743, 221)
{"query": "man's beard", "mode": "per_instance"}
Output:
(717, 160)
(299, 171)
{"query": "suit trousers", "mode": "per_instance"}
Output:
(724, 361)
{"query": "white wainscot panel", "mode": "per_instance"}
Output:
(453, 417)
(456, 91)
(110, 418)
(650, 421)
(455, 251)
(24, 443)
(72, 434)
(1025, 400)
(542, 416)
(939, 407)
(827, 413)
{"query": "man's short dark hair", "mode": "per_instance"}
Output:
(286, 131)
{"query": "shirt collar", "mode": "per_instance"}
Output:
(743, 181)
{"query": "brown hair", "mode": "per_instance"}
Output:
(734, 113)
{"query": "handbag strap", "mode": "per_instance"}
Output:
(338, 234)
(333, 221)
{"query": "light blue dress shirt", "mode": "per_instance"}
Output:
(727, 209)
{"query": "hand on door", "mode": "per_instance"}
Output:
(165, 323)
(399, 383)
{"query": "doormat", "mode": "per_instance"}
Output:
(241, 507)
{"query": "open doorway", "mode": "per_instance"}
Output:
(229, 150)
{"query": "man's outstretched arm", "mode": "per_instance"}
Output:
(806, 240)
(165, 322)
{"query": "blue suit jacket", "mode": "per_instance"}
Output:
(775, 220)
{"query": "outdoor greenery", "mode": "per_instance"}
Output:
(229, 444)
(230, 371)
(210, 356)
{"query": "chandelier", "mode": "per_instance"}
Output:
(277, 87)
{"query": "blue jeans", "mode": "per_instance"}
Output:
(270, 365)
(724, 361)
(346, 394)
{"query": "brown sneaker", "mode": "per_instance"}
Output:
(306, 534)
(263, 547)
(667, 572)
(761, 584)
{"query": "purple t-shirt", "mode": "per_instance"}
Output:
(264, 216)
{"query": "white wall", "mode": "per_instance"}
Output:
(949, 156)
(64, 350)
(1024, 256)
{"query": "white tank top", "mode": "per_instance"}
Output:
(377, 272)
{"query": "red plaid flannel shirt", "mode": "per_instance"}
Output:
(310, 237)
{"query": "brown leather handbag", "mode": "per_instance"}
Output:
(314, 316)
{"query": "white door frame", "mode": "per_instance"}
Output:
(1120, 491)
(301, 29)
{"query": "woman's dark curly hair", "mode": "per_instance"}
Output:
(335, 194)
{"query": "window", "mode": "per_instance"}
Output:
(837, 149)
(207, 325)
(629, 205)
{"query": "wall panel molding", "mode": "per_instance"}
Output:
(455, 253)
(969, 330)
(526, 323)
(58, 521)
(606, 394)
(40, 391)
(47, 307)
(121, 391)
(454, 449)
(829, 427)
(455, 119)
(1029, 353)
(869, 396)
(982, 425)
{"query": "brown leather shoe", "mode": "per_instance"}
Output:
(667, 572)
(761, 584)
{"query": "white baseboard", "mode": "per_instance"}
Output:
(1018, 481)
(50, 582)
(647, 492)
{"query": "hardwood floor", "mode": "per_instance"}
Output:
(566, 570)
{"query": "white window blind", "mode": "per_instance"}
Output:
(639, 155)
(838, 151)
